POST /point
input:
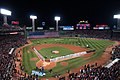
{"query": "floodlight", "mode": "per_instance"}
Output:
(118, 20)
(5, 12)
(33, 17)
(33, 21)
(57, 18)
(117, 16)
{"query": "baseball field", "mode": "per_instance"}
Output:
(64, 46)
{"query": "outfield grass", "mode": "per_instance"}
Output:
(27, 63)
(98, 45)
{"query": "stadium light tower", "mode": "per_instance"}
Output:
(33, 21)
(118, 20)
(5, 13)
(57, 18)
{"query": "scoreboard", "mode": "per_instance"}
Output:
(83, 26)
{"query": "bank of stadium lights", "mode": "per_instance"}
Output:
(118, 20)
(33, 17)
(117, 16)
(5, 13)
(57, 18)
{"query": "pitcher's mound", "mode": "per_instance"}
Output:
(55, 52)
(46, 65)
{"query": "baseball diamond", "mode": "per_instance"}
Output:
(77, 45)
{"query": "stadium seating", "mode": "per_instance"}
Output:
(94, 72)
(45, 34)
(10, 42)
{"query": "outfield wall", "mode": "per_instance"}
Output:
(42, 34)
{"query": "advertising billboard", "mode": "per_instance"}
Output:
(15, 22)
(40, 28)
(102, 27)
(68, 28)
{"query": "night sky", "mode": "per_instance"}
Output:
(70, 11)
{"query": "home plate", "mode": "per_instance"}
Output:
(46, 63)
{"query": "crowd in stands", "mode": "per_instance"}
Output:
(116, 52)
(29, 77)
(41, 34)
(104, 34)
(116, 36)
(90, 72)
(94, 72)
(7, 61)
(7, 27)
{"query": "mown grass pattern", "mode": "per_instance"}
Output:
(98, 45)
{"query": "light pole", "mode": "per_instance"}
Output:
(5, 13)
(118, 20)
(57, 18)
(33, 21)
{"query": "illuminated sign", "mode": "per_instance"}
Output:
(68, 28)
(83, 26)
(15, 22)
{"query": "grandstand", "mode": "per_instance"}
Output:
(9, 41)
(12, 38)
